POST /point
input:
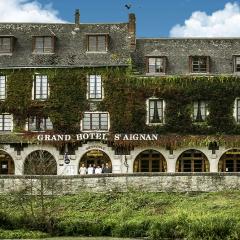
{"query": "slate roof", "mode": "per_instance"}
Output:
(178, 50)
(71, 44)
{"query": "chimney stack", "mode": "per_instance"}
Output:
(77, 16)
(132, 29)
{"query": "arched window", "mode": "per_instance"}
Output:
(6, 163)
(150, 161)
(192, 161)
(230, 161)
(40, 163)
(95, 157)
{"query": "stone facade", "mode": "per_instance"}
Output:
(121, 164)
(150, 182)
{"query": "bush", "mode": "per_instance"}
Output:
(78, 227)
(20, 234)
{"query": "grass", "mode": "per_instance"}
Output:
(133, 215)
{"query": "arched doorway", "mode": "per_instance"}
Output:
(230, 161)
(40, 163)
(95, 157)
(150, 161)
(6, 163)
(192, 161)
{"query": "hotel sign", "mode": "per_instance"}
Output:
(98, 136)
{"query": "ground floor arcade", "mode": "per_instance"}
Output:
(48, 160)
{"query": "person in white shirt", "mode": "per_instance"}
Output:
(90, 169)
(98, 170)
(82, 170)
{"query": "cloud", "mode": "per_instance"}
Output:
(222, 23)
(27, 11)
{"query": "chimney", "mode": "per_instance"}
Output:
(77, 16)
(132, 29)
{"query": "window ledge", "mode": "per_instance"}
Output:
(155, 74)
(5, 54)
(202, 73)
(155, 124)
(95, 131)
(99, 52)
(40, 53)
(94, 99)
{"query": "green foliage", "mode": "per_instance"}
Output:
(21, 234)
(132, 214)
(125, 99)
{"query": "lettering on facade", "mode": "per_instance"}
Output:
(98, 136)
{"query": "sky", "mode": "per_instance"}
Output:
(155, 18)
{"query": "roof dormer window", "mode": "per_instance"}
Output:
(97, 43)
(6, 44)
(43, 45)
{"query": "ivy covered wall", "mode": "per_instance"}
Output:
(125, 99)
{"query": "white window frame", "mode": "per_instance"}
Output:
(95, 87)
(34, 86)
(45, 119)
(11, 123)
(4, 96)
(206, 111)
(235, 110)
(95, 130)
(148, 111)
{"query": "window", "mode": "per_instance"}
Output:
(5, 45)
(2, 87)
(97, 43)
(230, 161)
(6, 122)
(95, 87)
(43, 44)
(237, 110)
(39, 124)
(150, 161)
(237, 64)
(95, 121)
(155, 109)
(199, 64)
(192, 161)
(200, 111)
(40, 87)
(156, 65)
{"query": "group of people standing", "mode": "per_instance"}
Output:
(95, 169)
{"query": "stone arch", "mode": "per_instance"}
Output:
(7, 166)
(40, 162)
(95, 157)
(150, 161)
(192, 160)
(230, 161)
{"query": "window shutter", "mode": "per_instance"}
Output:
(190, 64)
(208, 64)
(33, 43)
(54, 43)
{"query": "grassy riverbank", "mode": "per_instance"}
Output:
(132, 214)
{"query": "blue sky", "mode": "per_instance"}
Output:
(155, 18)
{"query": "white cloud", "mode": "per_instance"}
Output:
(222, 23)
(27, 11)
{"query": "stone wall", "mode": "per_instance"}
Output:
(152, 182)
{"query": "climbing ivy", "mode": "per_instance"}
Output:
(125, 98)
